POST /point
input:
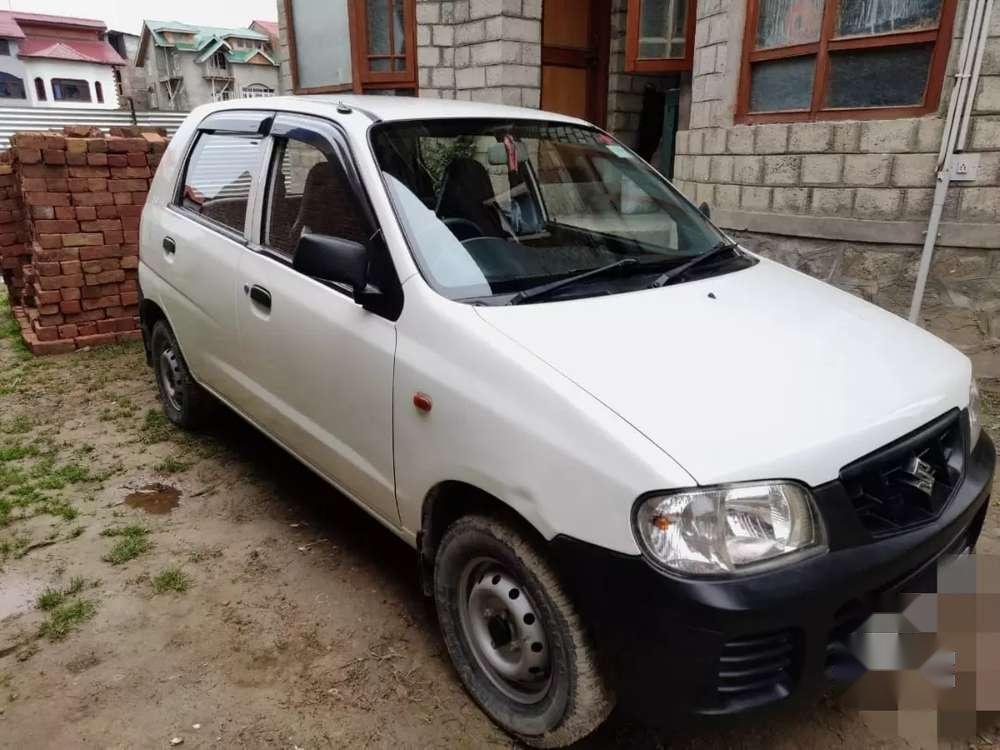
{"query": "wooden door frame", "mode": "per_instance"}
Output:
(600, 35)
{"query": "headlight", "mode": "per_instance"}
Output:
(729, 530)
(975, 414)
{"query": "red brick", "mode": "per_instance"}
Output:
(56, 185)
(129, 336)
(88, 316)
(48, 297)
(89, 239)
(130, 298)
(97, 160)
(70, 306)
(122, 199)
(87, 329)
(70, 267)
(76, 160)
(29, 155)
(139, 198)
(130, 211)
(107, 212)
(29, 140)
(51, 156)
(89, 171)
(48, 310)
(86, 213)
(102, 251)
(113, 238)
(53, 226)
(68, 331)
(48, 269)
(101, 290)
(60, 282)
(46, 199)
(137, 160)
(50, 241)
(105, 277)
(41, 348)
(57, 142)
(97, 145)
(94, 304)
(33, 184)
(102, 225)
(99, 339)
(130, 262)
(105, 326)
(130, 222)
(70, 294)
(65, 213)
(93, 199)
(117, 160)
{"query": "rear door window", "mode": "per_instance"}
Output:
(218, 178)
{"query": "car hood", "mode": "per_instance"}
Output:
(760, 373)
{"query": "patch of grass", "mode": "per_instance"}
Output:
(172, 579)
(17, 451)
(66, 617)
(17, 426)
(171, 465)
(156, 428)
(50, 599)
(132, 542)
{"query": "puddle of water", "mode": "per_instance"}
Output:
(158, 499)
(17, 594)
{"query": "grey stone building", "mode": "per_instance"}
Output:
(811, 128)
(186, 65)
(131, 80)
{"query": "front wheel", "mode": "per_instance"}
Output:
(515, 637)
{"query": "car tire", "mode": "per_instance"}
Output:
(185, 403)
(517, 641)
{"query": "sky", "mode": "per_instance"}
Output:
(127, 15)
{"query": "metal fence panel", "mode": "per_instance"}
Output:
(16, 119)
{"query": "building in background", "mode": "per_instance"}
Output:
(810, 128)
(132, 86)
(56, 61)
(188, 65)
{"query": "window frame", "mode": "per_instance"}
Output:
(940, 37)
(362, 79)
(12, 79)
(85, 84)
(40, 93)
(244, 123)
(635, 64)
(5, 48)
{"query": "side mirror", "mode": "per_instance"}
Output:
(332, 259)
(705, 209)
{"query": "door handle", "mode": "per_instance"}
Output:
(169, 246)
(260, 295)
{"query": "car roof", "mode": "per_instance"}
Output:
(391, 108)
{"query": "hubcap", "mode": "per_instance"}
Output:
(504, 630)
(170, 378)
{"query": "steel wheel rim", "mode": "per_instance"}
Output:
(504, 631)
(170, 378)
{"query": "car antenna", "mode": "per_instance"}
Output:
(343, 109)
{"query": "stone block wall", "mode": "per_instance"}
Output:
(82, 194)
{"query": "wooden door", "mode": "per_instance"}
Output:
(575, 49)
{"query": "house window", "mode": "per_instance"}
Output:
(70, 90)
(11, 87)
(40, 90)
(659, 36)
(4, 48)
(219, 61)
(99, 91)
(842, 59)
(381, 53)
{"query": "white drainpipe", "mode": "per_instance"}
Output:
(956, 128)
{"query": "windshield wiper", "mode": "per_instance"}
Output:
(544, 289)
(668, 276)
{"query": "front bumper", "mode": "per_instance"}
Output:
(720, 647)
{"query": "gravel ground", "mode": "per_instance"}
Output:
(156, 585)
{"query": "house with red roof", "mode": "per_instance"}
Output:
(56, 61)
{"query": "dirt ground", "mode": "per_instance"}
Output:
(253, 607)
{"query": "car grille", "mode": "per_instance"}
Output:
(909, 482)
(756, 668)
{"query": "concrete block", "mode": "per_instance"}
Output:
(888, 136)
(980, 204)
(988, 95)
(696, 141)
(877, 203)
(715, 141)
(487, 53)
(846, 137)
(914, 170)
(727, 196)
(810, 137)
(782, 170)
(748, 170)
(832, 201)
(790, 200)
(755, 198)
(428, 57)
(705, 193)
(739, 140)
(771, 139)
(428, 13)
(822, 169)
(470, 78)
(444, 35)
(867, 169)
(929, 133)
(443, 78)
(702, 168)
(470, 33)
(721, 169)
(985, 131)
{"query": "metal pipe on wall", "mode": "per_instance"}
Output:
(955, 131)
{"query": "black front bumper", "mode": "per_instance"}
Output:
(720, 647)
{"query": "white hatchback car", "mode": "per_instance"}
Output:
(639, 463)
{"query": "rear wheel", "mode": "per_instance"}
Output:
(514, 636)
(185, 403)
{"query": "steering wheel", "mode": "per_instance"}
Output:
(463, 229)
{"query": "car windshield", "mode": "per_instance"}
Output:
(495, 209)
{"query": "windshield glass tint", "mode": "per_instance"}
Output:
(497, 207)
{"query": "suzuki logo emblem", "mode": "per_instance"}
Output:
(921, 475)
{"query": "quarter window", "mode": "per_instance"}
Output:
(659, 36)
(310, 193)
(839, 59)
(70, 90)
(218, 178)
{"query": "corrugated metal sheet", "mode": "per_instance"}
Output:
(15, 119)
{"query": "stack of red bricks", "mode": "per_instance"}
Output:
(82, 193)
(14, 253)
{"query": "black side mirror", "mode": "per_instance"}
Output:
(332, 259)
(705, 209)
